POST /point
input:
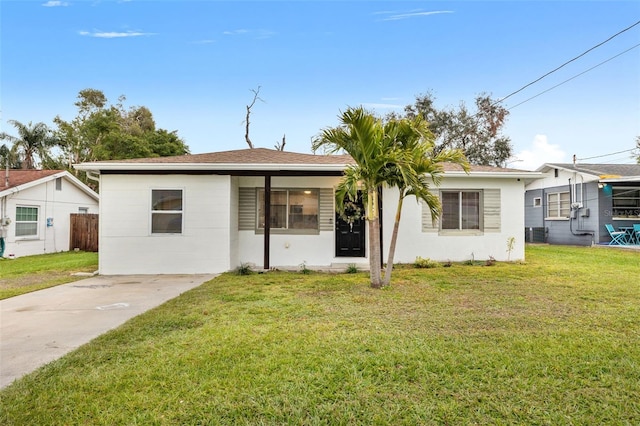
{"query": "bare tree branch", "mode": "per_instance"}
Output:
(279, 146)
(256, 97)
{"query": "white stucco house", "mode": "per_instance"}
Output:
(35, 209)
(205, 213)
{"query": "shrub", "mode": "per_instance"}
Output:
(425, 263)
(303, 268)
(244, 269)
(352, 268)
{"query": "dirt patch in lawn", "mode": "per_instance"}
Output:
(36, 279)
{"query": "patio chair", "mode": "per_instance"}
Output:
(618, 238)
(636, 233)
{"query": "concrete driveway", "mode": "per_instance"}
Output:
(39, 327)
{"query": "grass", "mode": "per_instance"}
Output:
(555, 340)
(30, 273)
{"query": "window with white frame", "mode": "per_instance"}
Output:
(461, 210)
(558, 205)
(166, 211)
(291, 209)
(26, 222)
(537, 202)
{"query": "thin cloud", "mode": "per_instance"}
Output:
(374, 105)
(236, 32)
(53, 3)
(203, 42)
(114, 34)
(257, 34)
(414, 14)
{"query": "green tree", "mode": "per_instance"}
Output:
(112, 132)
(31, 147)
(421, 168)
(477, 134)
(366, 138)
(7, 159)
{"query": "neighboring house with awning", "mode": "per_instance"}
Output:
(572, 203)
(205, 213)
(35, 209)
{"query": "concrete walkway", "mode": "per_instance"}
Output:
(39, 327)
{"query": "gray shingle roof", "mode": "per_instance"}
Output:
(264, 156)
(621, 170)
(244, 156)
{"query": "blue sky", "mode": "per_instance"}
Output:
(194, 64)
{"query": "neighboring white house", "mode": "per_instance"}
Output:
(204, 213)
(35, 209)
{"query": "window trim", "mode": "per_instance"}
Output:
(460, 230)
(152, 212)
(632, 208)
(559, 206)
(537, 202)
(37, 222)
(287, 230)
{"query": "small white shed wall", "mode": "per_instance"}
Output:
(127, 245)
(413, 242)
(51, 203)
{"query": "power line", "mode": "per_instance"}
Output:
(569, 61)
(575, 76)
(605, 155)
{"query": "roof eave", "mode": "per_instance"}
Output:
(77, 182)
(207, 166)
(493, 175)
(621, 179)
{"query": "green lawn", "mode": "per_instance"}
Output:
(555, 340)
(30, 273)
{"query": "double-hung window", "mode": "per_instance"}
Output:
(558, 205)
(461, 210)
(26, 222)
(291, 209)
(166, 211)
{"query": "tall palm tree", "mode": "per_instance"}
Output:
(420, 168)
(33, 142)
(362, 135)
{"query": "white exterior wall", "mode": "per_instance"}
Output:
(234, 236)
(550, 181)
(291, 250)
(127, 245)
(413, 242)
(212, 243)
(57, 205)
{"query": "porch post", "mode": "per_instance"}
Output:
(267, 219)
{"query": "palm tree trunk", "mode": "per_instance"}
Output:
(392, 244)
(375, 256)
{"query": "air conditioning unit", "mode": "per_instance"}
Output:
(5, 221)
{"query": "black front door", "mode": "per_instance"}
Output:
(350, 231)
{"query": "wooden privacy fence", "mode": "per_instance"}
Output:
(84, 232)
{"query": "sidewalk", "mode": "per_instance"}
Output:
(39, 327)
